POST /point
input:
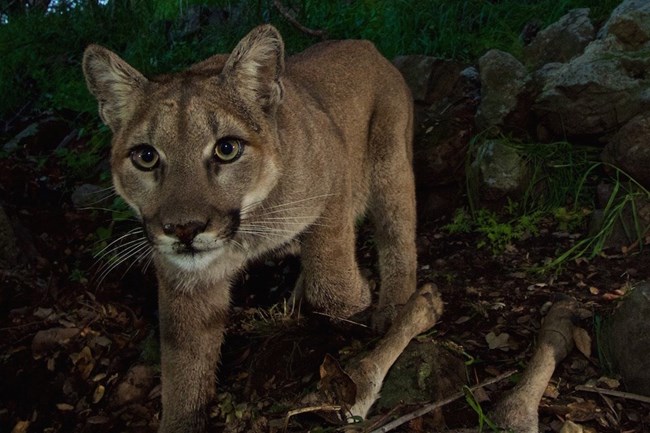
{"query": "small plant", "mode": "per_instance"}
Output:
(483, 420)
(496, 231)
(77, 275)
(626, 195)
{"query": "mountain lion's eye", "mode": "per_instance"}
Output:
(145, 157)
(228, 149)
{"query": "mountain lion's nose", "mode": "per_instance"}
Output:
(185, 232)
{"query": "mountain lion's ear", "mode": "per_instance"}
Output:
(255, 66)
(116, 85)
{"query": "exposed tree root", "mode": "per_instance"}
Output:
(517, 411)
(356, 388)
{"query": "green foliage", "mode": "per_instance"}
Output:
(620, 210)
(496, 231)
(483, 420)
(41, 52)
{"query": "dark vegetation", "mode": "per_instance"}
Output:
(480, 259)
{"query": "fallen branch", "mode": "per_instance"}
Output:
(287, 16)
(432, 406)
(614, 393)
(356, 387)
(518, 410)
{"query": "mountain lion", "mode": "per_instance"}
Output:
(241, 155)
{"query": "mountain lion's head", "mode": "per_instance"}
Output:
(195, 152)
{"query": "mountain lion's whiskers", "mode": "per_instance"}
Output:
(118, 244)
(118, 252)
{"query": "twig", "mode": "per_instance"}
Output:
(341, 319)
(429, 407)
(325, 407)
(614, 393)
(287, 16)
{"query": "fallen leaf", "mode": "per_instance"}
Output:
(20, 427)
(582, 340)
(98, 377)
(335, 382)
(461, 319)
(98, 394)
(495, 341)
(571, 427)
(43, 313)
(64, 407)
(98, 419)
(551, 391)
(594, 290)
(611, 296)
(581, 411)
(609, 382)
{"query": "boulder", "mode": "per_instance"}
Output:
(424, 371)
(627, 338)
(629, 149)
(595, 93)
(500, 168)
(504, 83)
(562, 40)
(417, 71)
(626, 7)
(632, 29)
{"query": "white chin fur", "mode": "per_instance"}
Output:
(194, 262)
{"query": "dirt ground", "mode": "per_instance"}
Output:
(80, 355)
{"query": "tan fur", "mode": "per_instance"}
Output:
(327, 139)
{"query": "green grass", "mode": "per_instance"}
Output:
(41, 53)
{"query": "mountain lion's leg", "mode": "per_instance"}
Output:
(330, 281)
(392, 210)
(192, 324)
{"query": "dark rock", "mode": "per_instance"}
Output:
(626, 7)
(8, 248)
(442, 133)
(632, 29)
(504, 82)
(629, 149)
(501, 170)
(41, 136)
(443, 129)
(417, 71)
(562, 40)
(425, 371)
(595, 93)
(627, 338)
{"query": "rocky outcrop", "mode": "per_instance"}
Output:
(629, 148)
(573, 84)
(501, 170)
(627, 338)
(595, 93)
(504, 80)
(561, 41)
